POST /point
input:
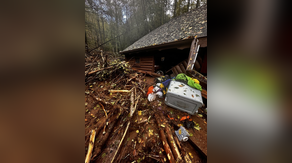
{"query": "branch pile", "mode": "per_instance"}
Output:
(98, 67)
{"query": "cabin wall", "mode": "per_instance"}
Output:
(144, 63)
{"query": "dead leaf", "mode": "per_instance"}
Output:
(191, 155)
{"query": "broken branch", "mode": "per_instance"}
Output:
(122, 91)
(90, 148)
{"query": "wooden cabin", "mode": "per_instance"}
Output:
(173, 46)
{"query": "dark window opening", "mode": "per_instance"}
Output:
(137, 60)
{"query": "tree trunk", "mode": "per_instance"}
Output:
(99, 31)
(179, 7)
(188, 6)
(174, 11)
(86, 43)
(198, 4)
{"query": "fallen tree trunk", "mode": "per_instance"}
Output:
(102, 138)
(90, 148)
(164, 142)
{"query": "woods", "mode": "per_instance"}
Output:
(113, 25)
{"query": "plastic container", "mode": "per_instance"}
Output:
(183, 97)
(182, 134)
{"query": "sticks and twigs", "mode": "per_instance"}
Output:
(132, 110)
(90, 148)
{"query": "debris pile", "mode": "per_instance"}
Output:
(121, 125)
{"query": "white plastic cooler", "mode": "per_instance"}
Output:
(183, 97)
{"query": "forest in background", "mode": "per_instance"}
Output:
(113, 25)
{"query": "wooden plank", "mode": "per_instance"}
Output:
(145, 69)
(203, 42)
(178, 69)
(193, 54)
(204, 93)
(174, 71)
(147, 61)
(185, 64)
(146, 64)
(182, 68)
(153, 65)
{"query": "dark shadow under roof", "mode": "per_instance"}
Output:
(185, 26)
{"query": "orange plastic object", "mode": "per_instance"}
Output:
(150, 90)
(184, 118)
(170, 117)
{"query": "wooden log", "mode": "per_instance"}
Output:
(90, 147)
(182, 68)
(183, 152)
(174, 71)
(121, 91)
(178, 69)
(132, 110)
(197, 65)
(177, 142)
(187, 158)
(102, 138)
(204, 93)
(121, 141)
(171, 140)
(185, 64)
(173, 146)
(164, 142)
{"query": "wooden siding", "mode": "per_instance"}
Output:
(146, 63)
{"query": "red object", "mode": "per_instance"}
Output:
(170, 117)
(184, 118)
(150, 90)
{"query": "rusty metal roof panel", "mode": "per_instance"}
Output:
(185, 26)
